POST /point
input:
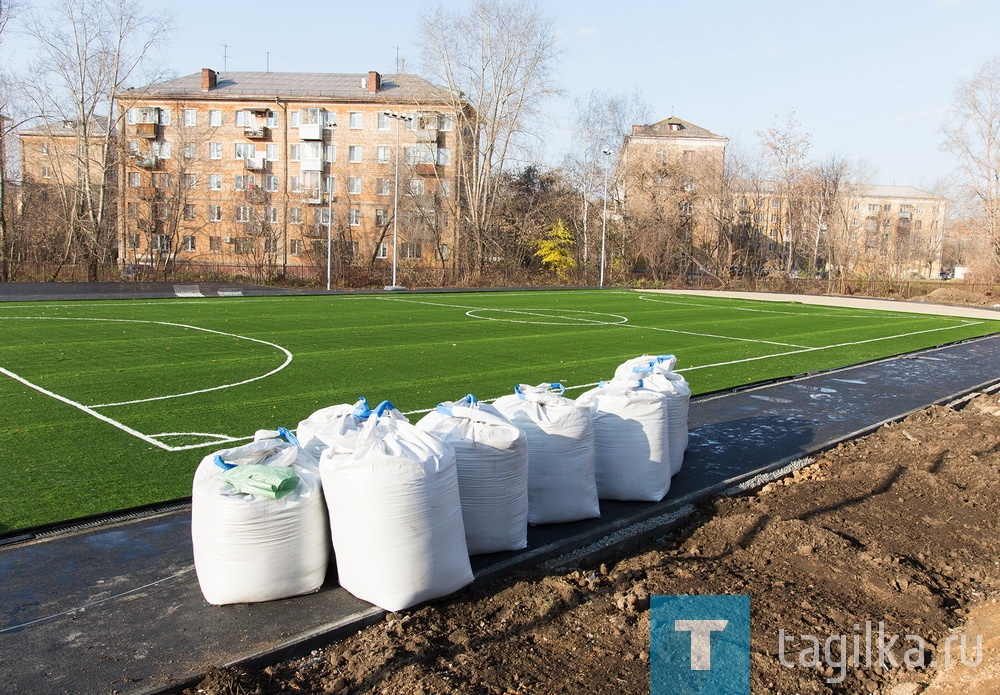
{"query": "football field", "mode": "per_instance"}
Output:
(112, 404)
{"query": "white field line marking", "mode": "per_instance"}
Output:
(582, 321)
(288, 355)
(89, 411)
(774, 311)
(826, 347)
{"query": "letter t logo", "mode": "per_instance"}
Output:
(701, 640)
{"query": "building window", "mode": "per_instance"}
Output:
(295, 153)
(295, 247)
(190, 180)
(244, 182)
(160, 149)
(161, 179)
(383, 121)
(381, 250)
(215, 213)
(329, 183)
(243, 118)
(215, 118)
(215, 244)
(215, 182)
(294, 184)
(382, 154)
(272, 214)
(272, 119)
(687, 208)
(409, 250)
(190, 117)
(215, 150)
(295, 215)
(354, 153)
(190, 150)
(774, 219)
(132, 241)
(160, 242)
(132, 210)
(270, 245)
(329, 153)
(241, 245)
(242, 213)
(443, 251)
(134, 179)
(444, 159)
(355, 120)
(189, 212)
(686, 185)
(444, 189)
(293, 119)
(354, 185)
(382, 187)
(904, 207)
(417, 186)
(688, 156)
(776, 203)
(321, 217)
(887, 207)
(45, 147)
(354, 217)
(381, 217)
(245, 150)
(920, 209)
(271, 183)
(187, 243)
(46, 172)
(445, 122)
(271, 151)
(934, 225)
(918, 224)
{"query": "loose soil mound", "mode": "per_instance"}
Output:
(901, 526)
(954, 295)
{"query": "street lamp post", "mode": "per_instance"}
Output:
(604, 218)
(395, 195)
(329, 236)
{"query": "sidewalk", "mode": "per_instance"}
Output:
(118, 608)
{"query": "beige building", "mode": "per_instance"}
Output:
(252, 172)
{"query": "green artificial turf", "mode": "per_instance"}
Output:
(93, 358)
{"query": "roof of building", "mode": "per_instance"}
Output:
(674, 127)
(402, 88)
(54, 129)
(880, 191)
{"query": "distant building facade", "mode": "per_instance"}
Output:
(252, 172)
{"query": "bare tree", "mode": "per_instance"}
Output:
(972, 134)
(496, 60)
(601, 123)
(786, 150)
(90, 50)
(8, 10)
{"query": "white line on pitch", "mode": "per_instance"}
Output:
(773, 311)
(600, 323)
(288, 355)
(86, 409)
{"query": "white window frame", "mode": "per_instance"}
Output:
(190, 117)
(354, 217)
(354, 185)
(272, 151)
(215, 118)
(215, 213)
(215, 150)
(188, 243)
(271, 183)
(215, 182)
(383, 154)
(356, 120)
(354, 154)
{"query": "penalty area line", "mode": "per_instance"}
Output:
(89, 411)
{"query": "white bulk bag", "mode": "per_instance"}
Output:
(249, 548)
(657, 373)
(491, 456)
(561, 485)
(395, 513)
(631, 441)
(329, 425)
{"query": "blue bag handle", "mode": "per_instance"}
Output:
(285, 434)
(362, 411)
(383, 408)
(555, 386)
(469, 400)
(222, 464)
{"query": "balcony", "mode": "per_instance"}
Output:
(146, 161)
(311, 131)
(146, 130)
(426, 134)
(424, 169)
(255, 163)
(311, 163)
(257, 132)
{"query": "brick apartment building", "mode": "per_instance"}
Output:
(252, 172)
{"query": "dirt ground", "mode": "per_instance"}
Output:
(902, 526)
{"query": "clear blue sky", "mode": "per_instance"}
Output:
(868, 79)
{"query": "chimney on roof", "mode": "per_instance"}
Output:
(374, 82)
(209, 78)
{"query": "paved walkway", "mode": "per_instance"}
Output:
(118, 608)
